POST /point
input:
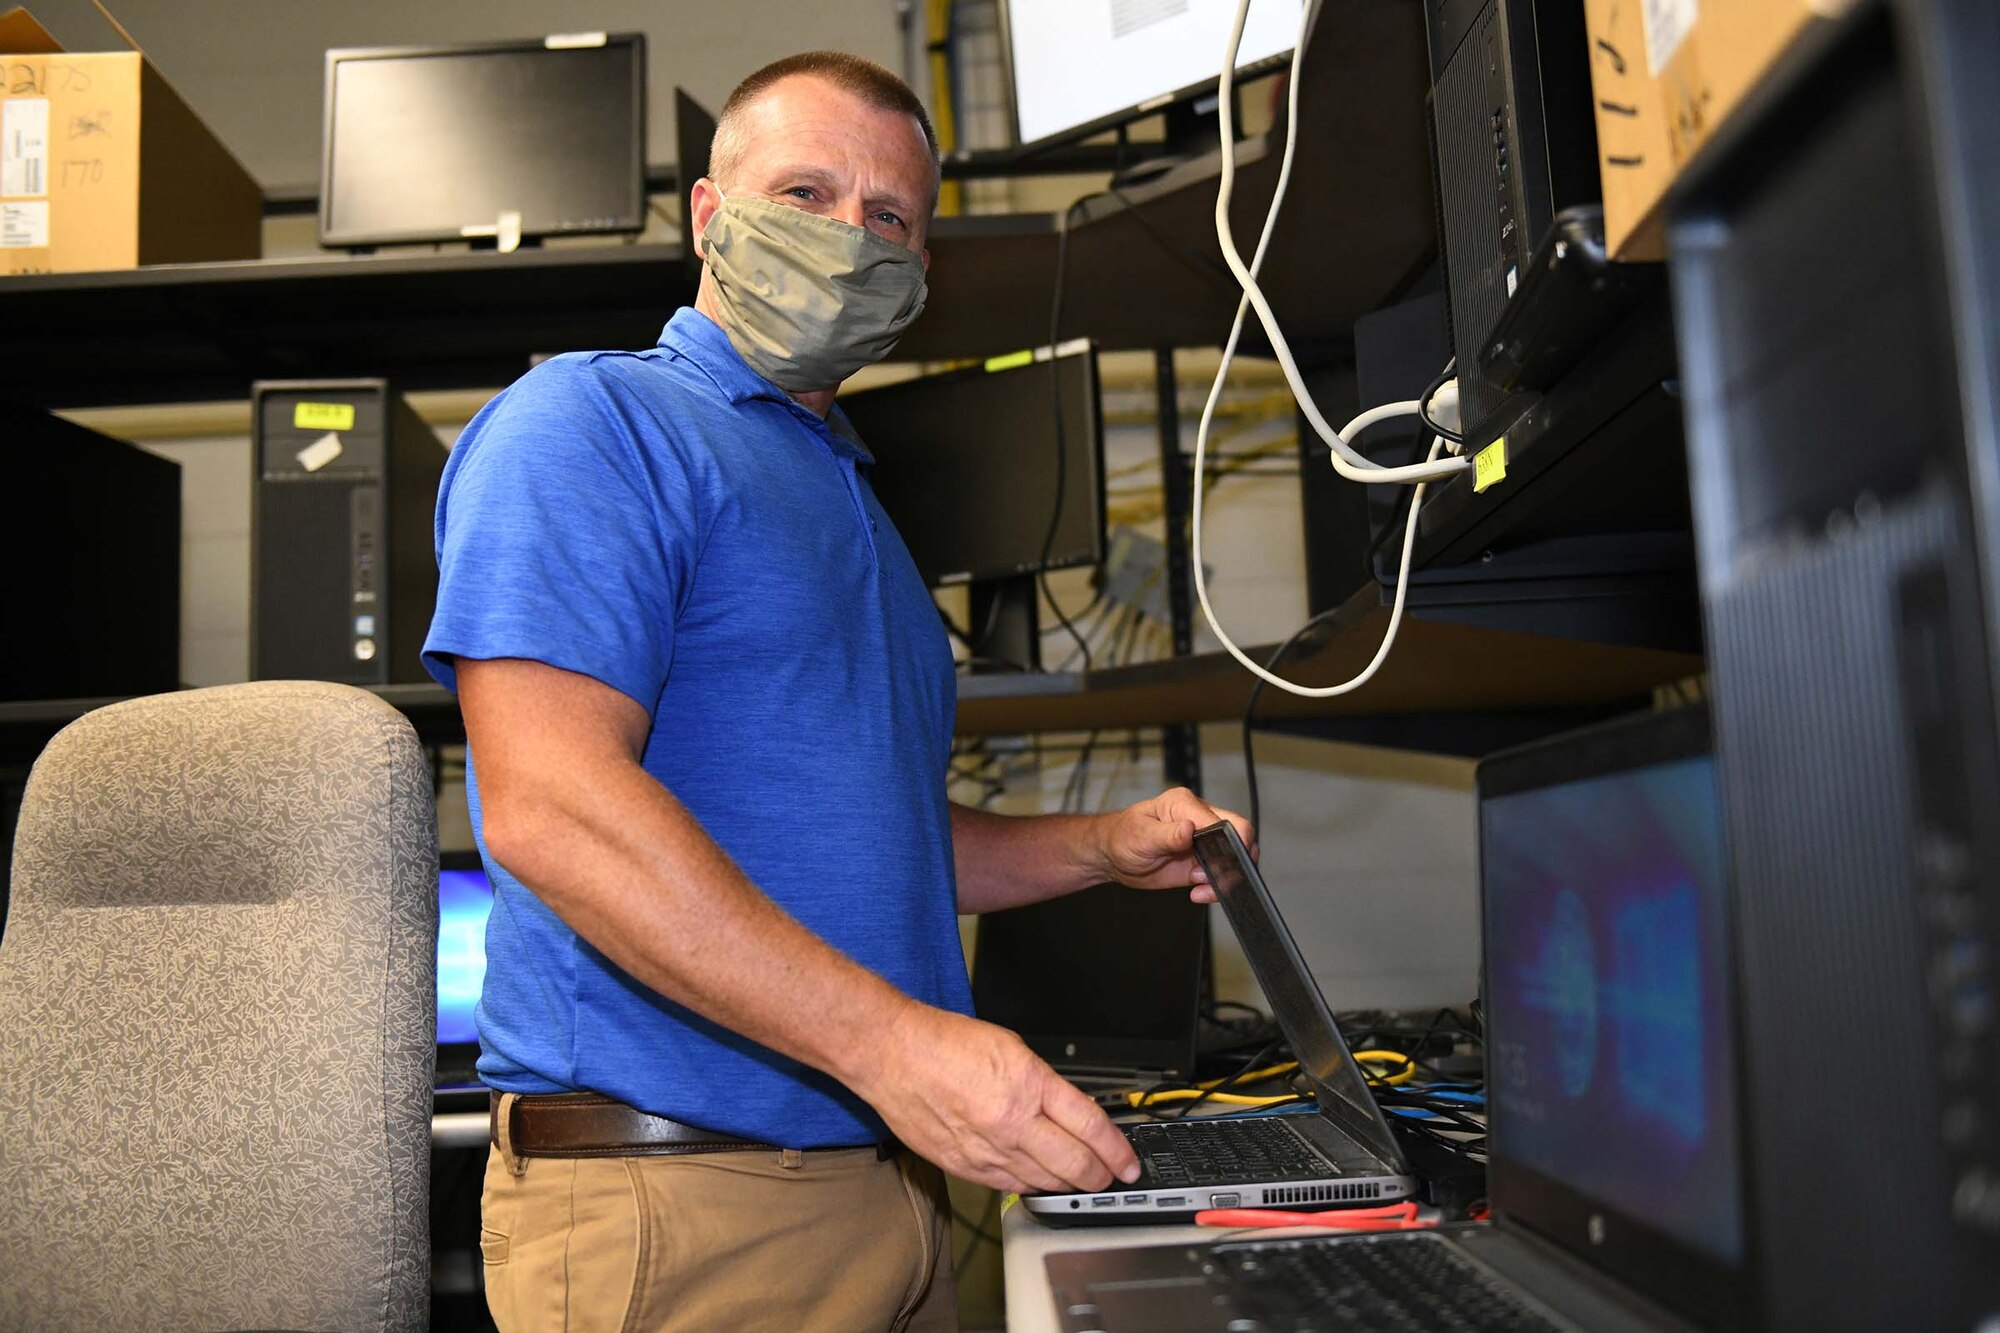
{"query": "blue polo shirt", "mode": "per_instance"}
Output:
(671, 524)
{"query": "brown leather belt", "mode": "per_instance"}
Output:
(586, 1124)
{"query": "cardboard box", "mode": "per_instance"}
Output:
(103, 166)
(1664, 74)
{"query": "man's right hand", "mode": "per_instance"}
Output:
(974, 1099)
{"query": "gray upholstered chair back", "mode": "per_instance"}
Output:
(217, 1018)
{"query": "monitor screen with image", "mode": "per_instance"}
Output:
(1080, 68)
(1612, 1049)
(465, 898)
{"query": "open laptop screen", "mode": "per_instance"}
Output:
(1296, 1002)
(1611, 1059)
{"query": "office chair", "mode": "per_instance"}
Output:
(217, 1018)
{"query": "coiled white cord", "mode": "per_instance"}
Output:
(1347, 461)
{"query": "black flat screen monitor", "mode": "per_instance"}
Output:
(436, 143)
(1107, 981)
(965, 464)
(1077, 69)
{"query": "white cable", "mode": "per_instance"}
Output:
(1405, 408)
(1346, 461)
(1366, 673)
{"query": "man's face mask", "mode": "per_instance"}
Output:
(808, 300)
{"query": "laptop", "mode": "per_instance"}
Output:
(1615, 1177)
(1339, 1155)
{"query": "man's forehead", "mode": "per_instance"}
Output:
(806, 106)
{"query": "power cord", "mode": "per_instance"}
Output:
(1250, 711)
(1345, 459)
(1206, 267)
(1399, 511)
(1267, 677)
(980, 1234)
(1424, 404)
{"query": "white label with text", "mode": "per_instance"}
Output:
(24, 147)
(24, 226)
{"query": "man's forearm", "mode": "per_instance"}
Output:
(624, 864)
(1007, 860)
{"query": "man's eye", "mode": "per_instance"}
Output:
(800, 192)
(889, 218)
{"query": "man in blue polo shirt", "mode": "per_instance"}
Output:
(709, 706)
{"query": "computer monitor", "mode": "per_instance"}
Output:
(1107, 981)
(1078, 69)
(1612, 1068)
(437, 143)
(966, 464)
(465, 898)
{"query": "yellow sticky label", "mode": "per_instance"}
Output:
(1010, 360)
(1489, 465)
(323, 416)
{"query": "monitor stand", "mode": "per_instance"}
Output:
(1190, 129)
(1004, 623)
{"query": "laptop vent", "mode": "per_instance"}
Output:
(1322, 1193)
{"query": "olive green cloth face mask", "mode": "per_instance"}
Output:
(808, 300)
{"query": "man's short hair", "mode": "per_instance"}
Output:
(864, 78)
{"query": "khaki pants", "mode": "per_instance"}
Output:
(839, 1241)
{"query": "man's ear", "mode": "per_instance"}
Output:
(703, 200)
(925, 255)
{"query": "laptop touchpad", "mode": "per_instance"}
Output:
(1162, 1305)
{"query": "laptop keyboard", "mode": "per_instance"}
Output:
(1224, 1152)
(1393, 1282)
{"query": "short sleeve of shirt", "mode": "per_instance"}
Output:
(562, 536)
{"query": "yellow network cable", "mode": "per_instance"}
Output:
(1403, 1075)
(1141, 1100)
(1206, 1091)
(1254, 1076)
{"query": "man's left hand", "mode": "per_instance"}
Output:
(1151, 845)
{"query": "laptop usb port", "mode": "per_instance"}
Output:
(1135, 1198)
(1104, 1201)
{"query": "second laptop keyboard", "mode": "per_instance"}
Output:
(1410, 1284)
(1210, 1152)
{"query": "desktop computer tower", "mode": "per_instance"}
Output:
(343, 579)
(1513, 143)
(90, 605)
(1562, 351)
(1836, 269)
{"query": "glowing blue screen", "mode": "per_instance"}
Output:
(464, 899)
(1608, 996)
